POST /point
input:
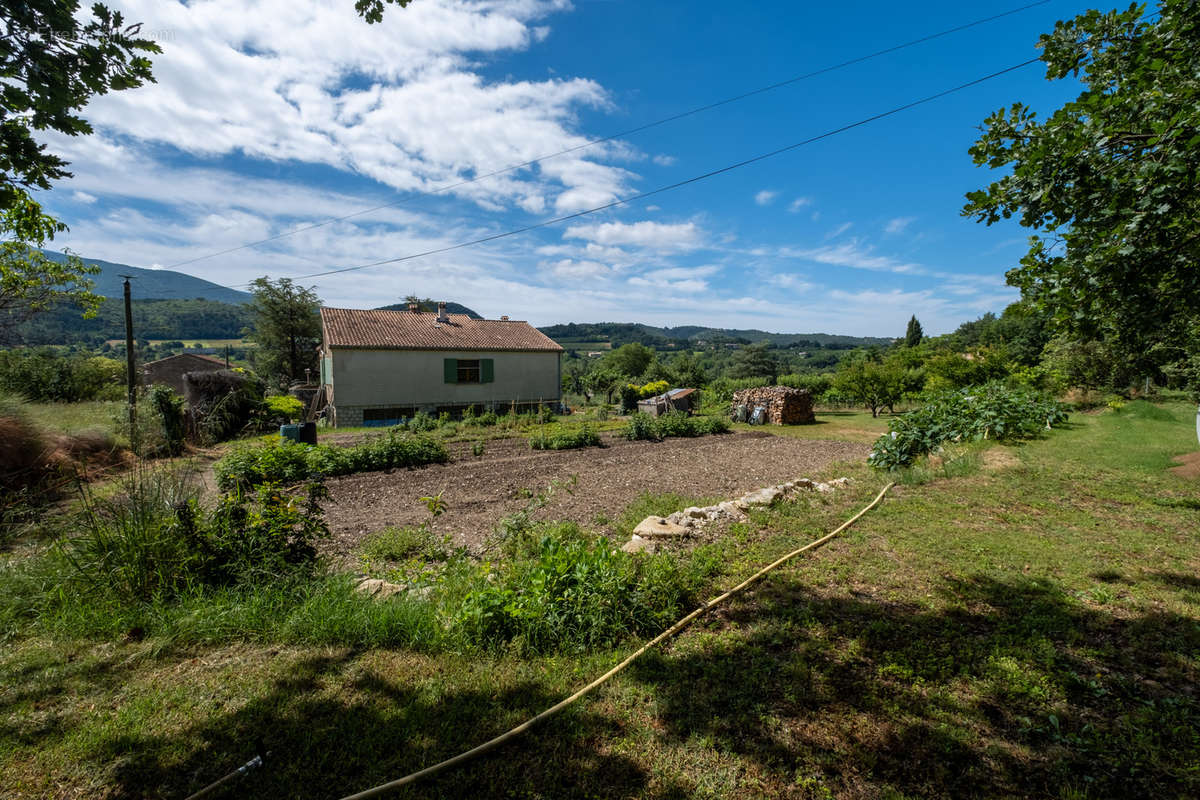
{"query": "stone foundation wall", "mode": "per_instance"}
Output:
(785, 405)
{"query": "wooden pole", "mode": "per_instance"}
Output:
(130, 366)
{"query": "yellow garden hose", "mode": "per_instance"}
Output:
(668, 633)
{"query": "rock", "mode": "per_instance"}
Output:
(638, 545)
(804, 483)
(696, 513)
(824, 488)
(659, 528)
(379, 589)
(763, 497)
(731, 509)
(841, 482)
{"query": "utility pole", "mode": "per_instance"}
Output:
(130, 366)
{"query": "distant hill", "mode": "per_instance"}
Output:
(619, 333)
(155, 284)
(431, 305)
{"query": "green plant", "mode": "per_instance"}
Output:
(477, 448)
(283, 406)
(992, 411)
(291, 462)
(583, 436)
(168, 408)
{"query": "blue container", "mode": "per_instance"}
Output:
(290, 433)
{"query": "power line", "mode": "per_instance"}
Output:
(620, 134)
(677, 184)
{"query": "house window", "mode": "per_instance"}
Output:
(468, 370)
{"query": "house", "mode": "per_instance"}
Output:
(381, 366)
(170, 370)
(671, 400)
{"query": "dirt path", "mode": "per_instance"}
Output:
(480, 490)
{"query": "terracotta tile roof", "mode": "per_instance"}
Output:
(405, 330)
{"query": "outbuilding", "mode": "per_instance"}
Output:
(671, 400)
(170, 370)
(382, 366)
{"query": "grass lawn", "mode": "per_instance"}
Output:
(104, 415)
(1029, 629)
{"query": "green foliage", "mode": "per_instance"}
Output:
(53, 61)
(283, 406)
(913, 334)
(181, 320)
(871, 384)
(291, 462)
(672, 424)
(953, 370)
(404, 543)
(817, 385)
(152, 541)
(572, 595)
(629, 360)
(719, 393)
(224, 403)
(1107, 182)
(583, 436)
(755, 361)
(45, 375)
(991, 411)
(287, 328)
(167, 407)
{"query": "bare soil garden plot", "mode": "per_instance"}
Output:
(480, 490)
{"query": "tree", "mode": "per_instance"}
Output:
(872, 384)
(754, 361)
(1108, 182)
(287, 328)
(52, 62)
(913, 335)
(630, 359)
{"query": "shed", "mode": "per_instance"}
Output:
(170, 370)
(670, 400)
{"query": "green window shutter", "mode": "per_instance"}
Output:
(450, 369)
(487, 370)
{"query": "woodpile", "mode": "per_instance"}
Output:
(784, 405)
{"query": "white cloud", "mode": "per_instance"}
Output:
(839, 230)
(664, 160)
(765, 197)
(83, 197)
(898, 224)
(799, 203)
(398, 102)
(657, 236)
(852, 254)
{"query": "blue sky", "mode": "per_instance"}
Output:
(273, 116)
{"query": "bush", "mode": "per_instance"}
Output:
(49, 376)
(572, 594)
(152, 541)
(169, 417)
(584, 436)
(290, 462)
(283, 407)
(673, 423)
(223, 403)
(991, 411)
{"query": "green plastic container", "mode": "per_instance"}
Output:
(290, 433)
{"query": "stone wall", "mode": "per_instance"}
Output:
(785, 405)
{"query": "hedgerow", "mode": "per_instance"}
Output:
(990, 411)
(290, 462)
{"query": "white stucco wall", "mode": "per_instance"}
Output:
(377, 378)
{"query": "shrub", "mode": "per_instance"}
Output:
(47, 375)
(584, 436)
(152, 541)
(169, 416)
(673, 423)
(223, 403)
(572, 594)
(290, 462)
(991, 411)
(283, 407)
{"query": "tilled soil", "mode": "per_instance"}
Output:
(480, 490)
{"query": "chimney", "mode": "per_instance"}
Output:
(504, 317)
(414, 307)
(441, 317)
